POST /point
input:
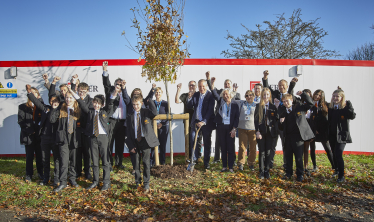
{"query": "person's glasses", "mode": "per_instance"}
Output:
(192, 85)
(248, 96)
(118, 84)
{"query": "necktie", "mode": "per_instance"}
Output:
(33, 113)
(71, 122)
(266, 115)
(199, 116)
(139, 129)
(96, 124)
(315, 104)
(336, 107)
(289, 110)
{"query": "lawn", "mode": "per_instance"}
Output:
(203, 196)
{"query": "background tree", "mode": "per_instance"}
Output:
(281, 39)
(161, 43)
(363, 52)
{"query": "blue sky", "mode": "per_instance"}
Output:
(64, 30)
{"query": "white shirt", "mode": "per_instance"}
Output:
(267, 104)
(336, 106)
(289, 109)
(136, 123)
(120, 112)
(100, 126)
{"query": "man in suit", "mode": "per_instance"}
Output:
(202, 102)
(257, 91)
(141, 138)
(117, 122)
(233, 87)
(278, 94)
(296, 130)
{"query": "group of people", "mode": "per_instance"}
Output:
(80, 130)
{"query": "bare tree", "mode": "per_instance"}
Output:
(364, 52)
(162, 43)
(281, 39)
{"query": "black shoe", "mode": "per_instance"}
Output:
(88, 176)
(74, 184)
(341, 180)
(207, 166)
(241, 168)
(231, 170)
(235, 164)
(251, 167)
(267, 174)
(286, 177)
(106, 186)
(335, 174)
(28, 179)
(120, 167)
(261, 176)
(93, 185)
(59, 188)
(300, 178)
(306, 172)
(44, 183)
(146, 189)
(224, 170)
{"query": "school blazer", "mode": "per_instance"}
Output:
(104, 115)
(299, 110)
(273, 117)
(146, 100)
(109, 89)
(339, 122)
(146, 115)
(62, 131)
(319, 123)
(234, 115)
(207, 109)
(276, 94)
(45, 111)
(163, 110)
(29, 128)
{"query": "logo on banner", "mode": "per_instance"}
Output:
(253, 83)
(1, 85)
(9, 85)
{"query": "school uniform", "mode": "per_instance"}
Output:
(203, 105)
(227, 118)
(28, 120)
(163, 132)
(140, 135)
(117, 122)
(276, 94)
(96, 130)
(68, 140)
(47, 133)
(267, 128)
(296, 130)
(339, 133)
(319, 123)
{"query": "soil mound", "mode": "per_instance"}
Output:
(176, 171)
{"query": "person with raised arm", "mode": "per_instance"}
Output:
(63, 87)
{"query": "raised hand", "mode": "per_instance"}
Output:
(207, 74)
(45, 77)
(235, 87)
(123, 83)
(153, 85)
(74, 78)
(105, 66)
(56, 79)
(28, 88)
(295, 80)
(213, 80)
(179, 86)
(299, 93)
(266, 73)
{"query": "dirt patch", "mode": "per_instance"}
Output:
(178, 171)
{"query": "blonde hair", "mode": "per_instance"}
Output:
(250, 92)
(159, 88)
(261, 104)
(229, 91)
(28, 103)
(77, 110)
(342, 102)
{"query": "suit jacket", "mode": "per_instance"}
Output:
(163, 110)
(109, 89)
(45, 111)
(130, 109)
(207, 109)
(29, 127)
(81, 124)
(146, 116)
(339, 122)
(234, 113)
(61, 116)
(53, 92)
(276, 94)
(273, 117)
(319, 123)
(299, 110)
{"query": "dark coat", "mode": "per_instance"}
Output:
(90, 113)
(275, 94)
(29, 127)
(273, 117)
(207, 109)
(163, 110)
(319, 123)
(109, 89)
(146, 116)
(339, 122)
(299, 110)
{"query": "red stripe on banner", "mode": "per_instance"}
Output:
(182, 154)
(133, 62)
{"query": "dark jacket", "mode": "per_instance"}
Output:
(234, 113)
(339, 122)
(61, 116)
(90, 113)
(299, 110)
(319, 123)
(272, 116)
(163, 110)
(109, 89)
(207, 109)
(146, 116)
(276, 94)
(29, 127)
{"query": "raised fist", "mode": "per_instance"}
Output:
(235, 87)
(28, 88)
(105, 66)
(45, 76)
(295, 80)
(207, 74)
(213, 80)
(266, 73)
(179, 86)
(123, 83)
(299, 93)
(56, 79)
(153, 85)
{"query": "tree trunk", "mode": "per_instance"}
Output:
(170, 126)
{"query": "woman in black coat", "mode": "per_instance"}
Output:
(47, 133)
(162, 126)
(28, 119)
(340, 113)
(320, 126)
(266, 124)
